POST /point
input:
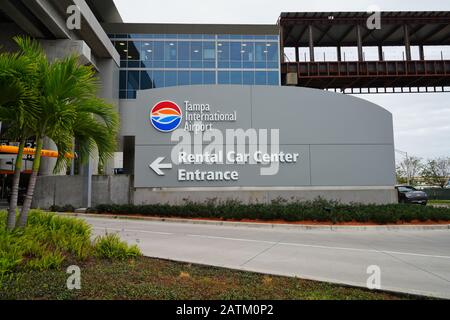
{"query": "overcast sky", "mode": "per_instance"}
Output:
(421, 121)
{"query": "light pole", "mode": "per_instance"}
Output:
(407, 164)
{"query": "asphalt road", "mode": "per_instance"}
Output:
(410, 261)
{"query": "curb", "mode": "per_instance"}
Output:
(268, 225)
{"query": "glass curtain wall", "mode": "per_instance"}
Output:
(158, 61)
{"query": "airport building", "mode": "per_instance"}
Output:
(220, 112)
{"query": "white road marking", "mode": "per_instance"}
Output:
(323, 247)
(132, 230)
(282, 243)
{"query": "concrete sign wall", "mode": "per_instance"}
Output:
(287, 137)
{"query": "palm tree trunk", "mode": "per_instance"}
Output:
(31, 185)
(15, 187)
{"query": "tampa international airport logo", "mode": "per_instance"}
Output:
(166, 116)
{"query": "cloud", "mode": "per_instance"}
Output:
(421, 121)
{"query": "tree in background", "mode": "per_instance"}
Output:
(436, 171)
(408, 170)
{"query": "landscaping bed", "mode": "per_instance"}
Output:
(146, 278)
(313, 212)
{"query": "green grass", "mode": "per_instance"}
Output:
(49, 240)
(439, 202)
(146, 278)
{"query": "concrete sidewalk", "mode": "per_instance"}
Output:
(411, 261)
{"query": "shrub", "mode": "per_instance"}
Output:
(48, 240)
(318, 210)
(49, 260)
(110, 246)
(64, 208)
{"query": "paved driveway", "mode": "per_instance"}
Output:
(410, 261)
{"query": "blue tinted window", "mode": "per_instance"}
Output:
(272, 51)
(248, 77)
(131, 94)
(183, 78)
(170, 51)
(171, 60)
(158, 50)
(147, 51)
(158, 79)
(196, 77)
(235, 55)
(184, 54)
(134, 49)
(196, 54)
(260, 78)
(273, 78)
(223, 54)
(133, 80)
(123, 80)
(223, 77)
(134, 64)
(236, 77)
(209, 77)
(209, 51)
(248, 55)
(146, 80)
(183, 50)
(170, 78)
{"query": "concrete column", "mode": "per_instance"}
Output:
(108, 73)
(407, 43)
(359, 43)
(421, 53)
(311, 43)
(86, 171)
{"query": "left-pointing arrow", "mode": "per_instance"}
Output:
(157, 166)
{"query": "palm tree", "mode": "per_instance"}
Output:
(68, 108)
(17, 110)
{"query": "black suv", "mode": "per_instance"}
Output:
(409, 194)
